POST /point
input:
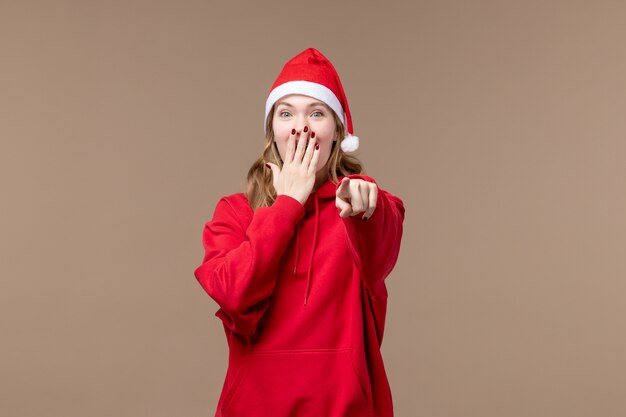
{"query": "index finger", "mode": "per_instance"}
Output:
(291, 146)
(343, 187)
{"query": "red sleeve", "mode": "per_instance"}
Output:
(375, 243)
(240, 266)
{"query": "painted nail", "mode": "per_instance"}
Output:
(365, 218)
(312, 135)
(306, 129)
(293, 131)
(317, 146)
(268, 165)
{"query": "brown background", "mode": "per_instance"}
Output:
(500, 124)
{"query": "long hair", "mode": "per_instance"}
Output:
(260, 188)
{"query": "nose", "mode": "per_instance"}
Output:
(300, 124)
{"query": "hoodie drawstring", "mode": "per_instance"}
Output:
(308, 279)
(295, 265)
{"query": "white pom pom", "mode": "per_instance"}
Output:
(350, 143)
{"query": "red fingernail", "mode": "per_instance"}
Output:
(317, 146)
(306, 129)
(268, 165)
(365, 218)
(293, 131)
(312, 135)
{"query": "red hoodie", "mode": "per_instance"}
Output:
(303, 300)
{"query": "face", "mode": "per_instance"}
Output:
(296, 111)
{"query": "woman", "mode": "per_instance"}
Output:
(297, 264)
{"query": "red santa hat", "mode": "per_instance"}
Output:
(312, 74)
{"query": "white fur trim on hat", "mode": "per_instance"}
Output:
(350, 143)
(318, 91)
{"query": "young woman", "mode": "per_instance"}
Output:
(297, 264)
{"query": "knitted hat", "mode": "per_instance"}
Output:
(311, 73)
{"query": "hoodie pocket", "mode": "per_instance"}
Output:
(280, 383)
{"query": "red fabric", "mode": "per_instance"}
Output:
(311, 65)
(288, 357)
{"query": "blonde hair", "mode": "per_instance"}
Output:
(260, 189)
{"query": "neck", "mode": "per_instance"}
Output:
(320, 178)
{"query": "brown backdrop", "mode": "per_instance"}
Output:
(501, 124)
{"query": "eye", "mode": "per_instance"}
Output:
(318, 112)
(284, 113)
